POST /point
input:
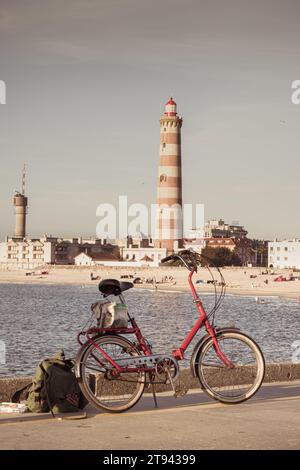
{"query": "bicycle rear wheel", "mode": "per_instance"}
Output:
(100, 385)
(231, 385)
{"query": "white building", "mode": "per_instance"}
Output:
(150, 256)
(197, 244)
(26, 254)
(84, 260)
(132, 257)
(95, 259)
(195, 234)
(284, 254)
(218, 228)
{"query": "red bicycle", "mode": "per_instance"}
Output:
(113, 370)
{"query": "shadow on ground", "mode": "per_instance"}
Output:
(167, 401)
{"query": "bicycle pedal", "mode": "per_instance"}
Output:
(181, 392)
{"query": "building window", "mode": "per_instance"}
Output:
(271, 248)
(278, 248)
(163, 178)
(278, 258)
(285, 248)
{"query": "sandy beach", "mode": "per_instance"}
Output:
(239, 281)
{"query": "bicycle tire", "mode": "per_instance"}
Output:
(228, 385)
(99, 388)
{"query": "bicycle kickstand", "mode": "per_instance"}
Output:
(153, 390)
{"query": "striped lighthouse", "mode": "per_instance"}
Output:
(169, 185)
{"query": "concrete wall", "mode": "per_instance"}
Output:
(279, 372)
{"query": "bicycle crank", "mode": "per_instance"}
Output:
(179, 389)
(161, 364)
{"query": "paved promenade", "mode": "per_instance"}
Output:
(271, 420)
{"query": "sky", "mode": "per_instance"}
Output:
(86, 83)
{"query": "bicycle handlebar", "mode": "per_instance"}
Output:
(168, 258)
(190, 264)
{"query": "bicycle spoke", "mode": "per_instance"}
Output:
(231, 384)
(108, 391)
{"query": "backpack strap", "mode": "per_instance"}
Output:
(15, 397)
(46, 389)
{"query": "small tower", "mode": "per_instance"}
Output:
(169, 185)
(20, 203)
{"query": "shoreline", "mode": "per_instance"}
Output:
(168, 290)
(240, 281)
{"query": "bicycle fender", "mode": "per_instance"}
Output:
(84, 347)
(200, 344)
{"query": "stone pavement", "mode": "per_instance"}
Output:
(270, 420)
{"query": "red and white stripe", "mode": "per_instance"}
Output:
(169, 186)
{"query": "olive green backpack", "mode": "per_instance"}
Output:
(54, 387)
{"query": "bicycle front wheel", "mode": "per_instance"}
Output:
(99, 381)
(231, 385)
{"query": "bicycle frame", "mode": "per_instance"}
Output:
(142, 344)
(202, 320)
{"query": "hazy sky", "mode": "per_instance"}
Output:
(86, 84)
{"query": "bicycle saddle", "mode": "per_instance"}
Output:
(113, 286)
